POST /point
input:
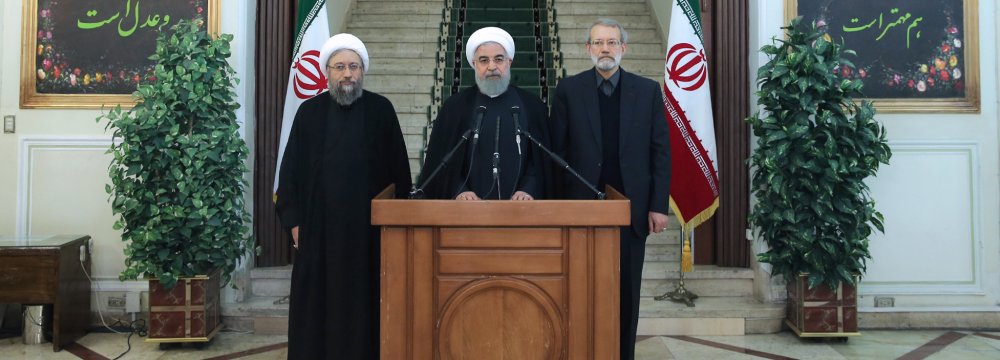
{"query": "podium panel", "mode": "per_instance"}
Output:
(499, 279)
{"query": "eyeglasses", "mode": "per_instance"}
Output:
(485, 61)
(341, 67)
(611, 43)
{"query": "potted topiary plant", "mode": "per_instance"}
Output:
(178, 182)
(815, 148)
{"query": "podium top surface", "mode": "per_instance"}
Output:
(500, 212)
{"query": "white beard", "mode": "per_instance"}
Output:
(605, 64)
(493, 88)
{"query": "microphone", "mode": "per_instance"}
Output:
(600, 195)
(514, 112)
(417, 192)
(480, 112)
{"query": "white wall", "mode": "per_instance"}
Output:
(53, 169)
(338, 11)
(940, 194)
(661, 12)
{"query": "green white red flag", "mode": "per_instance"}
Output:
(694, 179)
(307, 77)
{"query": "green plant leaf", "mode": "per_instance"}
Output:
(176, 181)
(815, 147)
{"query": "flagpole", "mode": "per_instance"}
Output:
(680, 293)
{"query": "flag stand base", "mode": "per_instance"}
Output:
(679, 294)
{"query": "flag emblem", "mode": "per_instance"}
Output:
(686, 66)
(309, 77)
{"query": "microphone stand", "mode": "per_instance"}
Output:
(600, 195)
(418, 191)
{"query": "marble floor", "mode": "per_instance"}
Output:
(873, 344)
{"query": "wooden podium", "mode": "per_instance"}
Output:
(500, 279)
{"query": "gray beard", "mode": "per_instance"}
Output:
(493, 88)
(347, 95)
(605, 64)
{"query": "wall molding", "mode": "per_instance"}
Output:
(31, 145)
(975, 285)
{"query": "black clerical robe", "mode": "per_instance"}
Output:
(337, 159)
(471, 169)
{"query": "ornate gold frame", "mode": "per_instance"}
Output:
(972, 101)
(30, 99)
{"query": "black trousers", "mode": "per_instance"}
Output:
(632, 256)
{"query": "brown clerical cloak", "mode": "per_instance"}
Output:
(337, 159)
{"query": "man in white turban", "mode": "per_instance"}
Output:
(498, 164)
(344, 148)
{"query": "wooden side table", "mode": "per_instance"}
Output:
(49, 270)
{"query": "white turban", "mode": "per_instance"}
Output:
(344, 41)
(485, 35)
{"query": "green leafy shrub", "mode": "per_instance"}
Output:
(177, 177)
(815, 147)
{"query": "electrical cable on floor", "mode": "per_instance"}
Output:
(96, 299)
(135, 327)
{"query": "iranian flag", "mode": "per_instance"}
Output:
(306, 77)
(694, 180)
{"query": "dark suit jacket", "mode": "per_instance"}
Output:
(644, 145)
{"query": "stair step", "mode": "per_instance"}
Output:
(430, 23)
(398, 8)
(671, 236)
(670, 270)
(398, 34)
(662, 252)
(703, 287)
(256, 306)
(579, 35)
(605, 9)
(659, 277)
(583, 21)
(391, 18)
(709, 316)
(601, 1)
(388, 46)
(258, 314)
(386, 66)
(274, 272)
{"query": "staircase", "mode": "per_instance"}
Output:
(401, 38)
(415, 65)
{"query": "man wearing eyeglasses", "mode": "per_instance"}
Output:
(345, 146)
(496, 162)
(609, 125)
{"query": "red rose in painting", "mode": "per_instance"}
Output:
(910, 84)
(845, 71)
(945, 48)
(945, 76)
(952, 30)
(930, 82)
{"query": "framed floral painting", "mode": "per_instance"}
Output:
(912, 56)
(89, 54)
